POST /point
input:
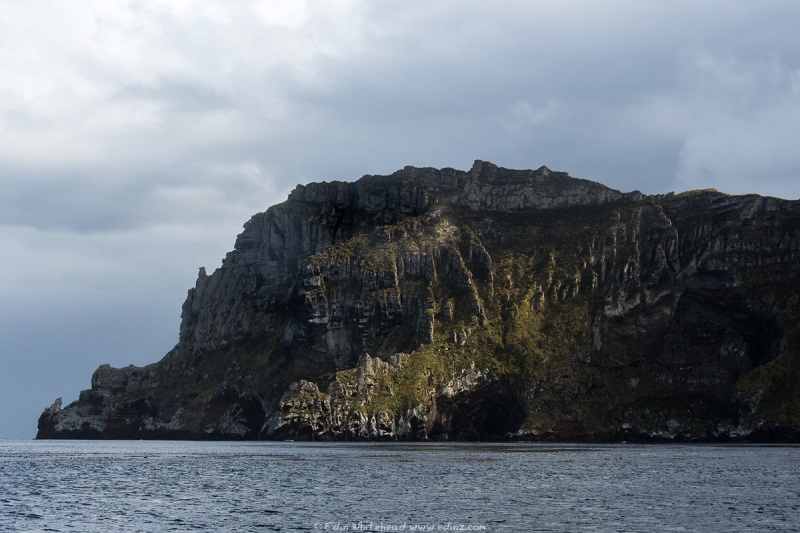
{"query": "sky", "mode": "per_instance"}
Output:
(137, 137)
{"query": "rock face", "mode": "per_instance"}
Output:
(487, 304)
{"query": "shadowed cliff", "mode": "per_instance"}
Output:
(487, 304)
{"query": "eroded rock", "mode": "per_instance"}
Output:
(481, 304)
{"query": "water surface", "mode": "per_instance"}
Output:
(292, 486)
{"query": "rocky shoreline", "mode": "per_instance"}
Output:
(489, 304)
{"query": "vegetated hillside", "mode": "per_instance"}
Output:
(487, 304)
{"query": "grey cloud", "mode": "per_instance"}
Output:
(161, 129)
(111, 200)
(176, 96)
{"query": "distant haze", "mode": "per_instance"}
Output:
(137, 138)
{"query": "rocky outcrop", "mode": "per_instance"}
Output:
(486, 304)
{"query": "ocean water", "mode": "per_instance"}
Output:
(293, 486)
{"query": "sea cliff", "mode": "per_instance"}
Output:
(481, 304)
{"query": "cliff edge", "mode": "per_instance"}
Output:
(481, 304)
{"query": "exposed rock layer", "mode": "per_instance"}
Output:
(485, 304)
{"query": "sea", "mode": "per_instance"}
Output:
(148, 486)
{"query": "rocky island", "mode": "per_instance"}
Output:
(482, 304)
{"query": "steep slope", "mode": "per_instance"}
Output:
(486, 304)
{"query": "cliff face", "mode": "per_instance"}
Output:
(491, 303)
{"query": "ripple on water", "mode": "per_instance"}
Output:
(188, 486)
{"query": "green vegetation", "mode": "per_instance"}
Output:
(528, 299)
(694, 193)
(773, 389)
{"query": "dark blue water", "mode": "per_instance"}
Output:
(193, 486)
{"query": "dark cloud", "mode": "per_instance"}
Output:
(135, 140)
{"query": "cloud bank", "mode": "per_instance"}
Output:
(136, 138)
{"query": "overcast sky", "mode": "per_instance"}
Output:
(137, 137)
